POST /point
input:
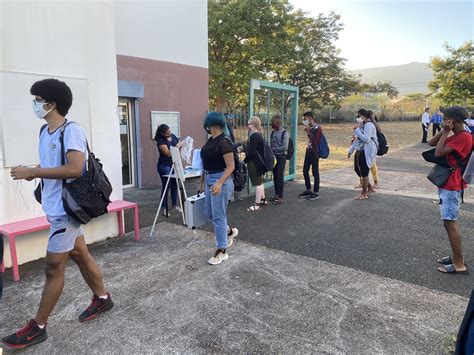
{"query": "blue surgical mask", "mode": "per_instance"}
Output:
(39, 109)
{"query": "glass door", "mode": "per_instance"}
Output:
(127, 142)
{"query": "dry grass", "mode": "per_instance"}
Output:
(399, 135)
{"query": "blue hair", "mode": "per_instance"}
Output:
(216, 119)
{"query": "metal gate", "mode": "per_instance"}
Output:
(267, 99)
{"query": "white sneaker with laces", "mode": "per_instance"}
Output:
(218, 257)
(230, 237)
(177, 209)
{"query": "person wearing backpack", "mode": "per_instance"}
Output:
(52, 101)
(374, 169)
(254, 153)
(451, 141)
(312, 156)
(365, 146)
(279, 141)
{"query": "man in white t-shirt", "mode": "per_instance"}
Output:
(53, 98)
(425, 123)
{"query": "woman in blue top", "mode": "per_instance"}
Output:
(164, 140)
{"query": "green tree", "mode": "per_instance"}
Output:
(242, 37)
(312, 61)
(264, 39)
(380, 87)
(454, 75)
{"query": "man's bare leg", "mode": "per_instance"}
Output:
(88, 267)
(54, 270)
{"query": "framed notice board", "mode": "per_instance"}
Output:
(167, 117)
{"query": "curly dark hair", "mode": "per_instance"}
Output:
(54, 90)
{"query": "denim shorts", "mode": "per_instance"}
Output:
(63, 233)
(449, 204)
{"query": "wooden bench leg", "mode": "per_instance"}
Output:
(120, 223)
(136, 224)
(16, 271)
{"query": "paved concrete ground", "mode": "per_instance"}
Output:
(397, 233)
(261, 300)
(333, 275)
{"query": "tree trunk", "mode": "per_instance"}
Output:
(221, 103)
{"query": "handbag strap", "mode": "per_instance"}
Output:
(459, 165)
(63, 154)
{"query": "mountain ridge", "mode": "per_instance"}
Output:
(407, 78)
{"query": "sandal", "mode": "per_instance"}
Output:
(273, 198)
(263, 202)
(450, 269)
(278, 201)
(445, 260)
(255, 207)
(361, 197)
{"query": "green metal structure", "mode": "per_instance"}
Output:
(267, 99)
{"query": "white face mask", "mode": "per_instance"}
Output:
(39, 110)
(305, 122)
(359, 119)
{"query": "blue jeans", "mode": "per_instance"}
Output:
(216, 207)
(165, 170)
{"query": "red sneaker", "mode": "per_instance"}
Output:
(97, 306)
(29, 335)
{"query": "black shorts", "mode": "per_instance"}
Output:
(360, 164)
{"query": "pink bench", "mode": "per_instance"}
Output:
(13, 230)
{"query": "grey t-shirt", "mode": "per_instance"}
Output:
(279, 141)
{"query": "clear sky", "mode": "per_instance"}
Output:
(396, 32)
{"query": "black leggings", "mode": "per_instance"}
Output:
(360, 164)
(278, 174)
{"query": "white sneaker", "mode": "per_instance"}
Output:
(177, 209)
(163, 212)
(230, 238)
(218, 257)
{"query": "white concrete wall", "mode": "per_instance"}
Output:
(167, 30)
(60, 39)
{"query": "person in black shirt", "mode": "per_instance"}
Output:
(253, 158)
(164, 140)
(218, 163)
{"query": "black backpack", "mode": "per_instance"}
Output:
(86, 197)
(382, 147)
(268, 159)
(239, 175)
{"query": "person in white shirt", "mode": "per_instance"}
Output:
(470, 123)
(425, 123)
